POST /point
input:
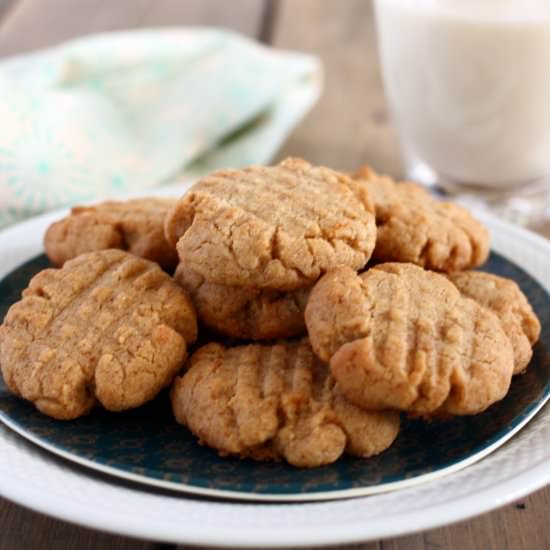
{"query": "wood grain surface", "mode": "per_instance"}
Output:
(349, 126)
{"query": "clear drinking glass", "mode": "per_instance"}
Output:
(468, 85)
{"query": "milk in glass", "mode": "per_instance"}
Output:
(468, 83)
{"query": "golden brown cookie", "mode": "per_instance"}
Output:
(400, 337)
(277, 227)
(244, 312)
(415, 227)
(107, 328)
(275, 402)
(504, 298)
(135, 225)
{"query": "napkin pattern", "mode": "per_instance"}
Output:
(128, 111)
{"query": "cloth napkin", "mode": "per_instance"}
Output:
(128, 111)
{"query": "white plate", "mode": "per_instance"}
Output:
(35, 479)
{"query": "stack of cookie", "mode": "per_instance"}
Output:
(401, 336)
(253, 242)
(280, 255)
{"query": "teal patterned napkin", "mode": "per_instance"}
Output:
(128, 111)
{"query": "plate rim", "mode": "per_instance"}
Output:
(515, 487)
(496, 495)
(314, 496)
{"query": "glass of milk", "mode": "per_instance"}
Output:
(468, 84)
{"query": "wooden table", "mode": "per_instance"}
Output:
(349, 126)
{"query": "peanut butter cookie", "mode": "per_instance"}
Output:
(415, 227)
(108, 328)
(275, 402)
(403, 338)
(504, 298)
(277, 227)
(136, 226)
(245, 312)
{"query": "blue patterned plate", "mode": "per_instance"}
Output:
(146, 445)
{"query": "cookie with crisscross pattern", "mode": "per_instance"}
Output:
(245, 312)
(400, 337)
(504, 298)
(413, 226)
(135, 225)
(277, 227)
(108, 328)
(275, 402)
